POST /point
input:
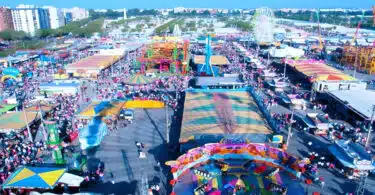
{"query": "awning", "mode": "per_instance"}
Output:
(34, 177)
(71, 180)
(341, 157)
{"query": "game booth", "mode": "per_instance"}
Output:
(233, 167)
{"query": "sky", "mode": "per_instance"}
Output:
(117, 4)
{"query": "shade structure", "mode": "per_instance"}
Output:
(214, 114)
(92, 65)
(215, 60)
(34, 177)
(138, 79)
(71, 180)
(43, 107)
(16, 121)
(6, 107)
(318, 70)
(105, 109)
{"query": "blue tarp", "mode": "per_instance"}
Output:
(341, 156)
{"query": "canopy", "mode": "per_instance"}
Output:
(215, 60)
(341, 157)
(318, 70)
(104, 109)
(6, 107)
(43, 107)
(92, 64)
(351, 155)
(138, 79)
(71, 180)
(15, 121)
(210, 115)
(286, 52)
(34, 177)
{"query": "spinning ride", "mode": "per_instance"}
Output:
(232, 166)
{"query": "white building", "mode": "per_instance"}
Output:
(56, 17)
(125, 16)
(29, 19)
(179, 9)
(78, 13)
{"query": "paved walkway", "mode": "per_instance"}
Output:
(120, 156)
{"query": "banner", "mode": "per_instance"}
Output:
(373, 12)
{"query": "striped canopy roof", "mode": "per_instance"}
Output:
(223, 113)
(138, 79)
(34, 177)
(15, 121)
(319, 70)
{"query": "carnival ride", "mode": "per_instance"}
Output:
(361, 57)
(232, 165)
(264, 22)
(170, 56)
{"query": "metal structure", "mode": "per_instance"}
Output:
(170, 56)
(176, 31)
(362, 58)
(264, 22)
(207, 67)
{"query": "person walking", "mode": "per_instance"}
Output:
(112, 178)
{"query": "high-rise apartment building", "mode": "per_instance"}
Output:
(6, 22)
(30, 19)
(77, 13)
(56, 17)
(68, 17)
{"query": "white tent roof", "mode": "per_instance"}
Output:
(284, 52)
(359, 100)
(71, 180)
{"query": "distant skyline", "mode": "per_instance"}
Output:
(226, 4)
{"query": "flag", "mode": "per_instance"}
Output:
(373, 12)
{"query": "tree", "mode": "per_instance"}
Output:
(43, 33)
(11, 35)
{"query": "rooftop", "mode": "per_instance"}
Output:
(358, 100)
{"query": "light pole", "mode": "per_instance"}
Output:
(286, 57)
(370, 126)
(290, 128)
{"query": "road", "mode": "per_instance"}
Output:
(120, 156)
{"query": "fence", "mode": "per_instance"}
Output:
(263, 108)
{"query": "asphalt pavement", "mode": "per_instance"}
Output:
(118, 152)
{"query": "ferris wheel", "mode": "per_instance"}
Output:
(264, 22)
